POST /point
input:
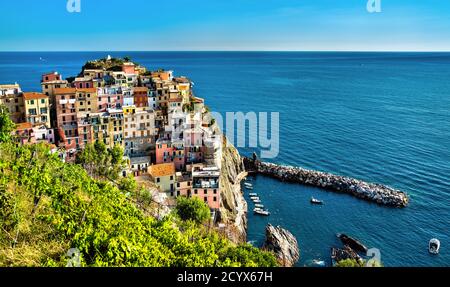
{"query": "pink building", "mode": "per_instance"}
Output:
(109, 98)
(50, 77)
(169, 152)
(84, 83)
(129, 68)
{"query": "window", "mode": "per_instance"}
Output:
(205, 191)
(178, 184)
(42, 101)
(214, 198)
(158, 180)
(195, 191)
(171, 177)
(205, 199)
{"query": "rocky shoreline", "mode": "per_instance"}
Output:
(380, 194)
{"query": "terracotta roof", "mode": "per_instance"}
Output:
(34, 96)
(164, 169)
(87, 90)
(65, 91)
(140, 89)
(23, 126)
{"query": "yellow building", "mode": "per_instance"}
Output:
(49, 88)
(87, 100)
(37, 111)
(163, 176)
(11, 96)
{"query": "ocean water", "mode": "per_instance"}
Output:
(379, 117)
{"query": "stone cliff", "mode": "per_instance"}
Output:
(283, 244)
(233, 212)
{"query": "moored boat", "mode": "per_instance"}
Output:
(259, 205)
(316, 201)
(433, 246)
(254, 198)
(253, 194)
(262, 212)
(257, 201)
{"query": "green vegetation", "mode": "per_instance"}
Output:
(358, 263)
(349, 263)
(192, 209)
(102, 162)
(49, 207)
(114, 64)
(6, 125)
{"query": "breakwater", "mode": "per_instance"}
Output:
(381, 194)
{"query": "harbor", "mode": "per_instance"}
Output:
(377, 193)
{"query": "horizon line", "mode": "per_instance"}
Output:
(224, 51)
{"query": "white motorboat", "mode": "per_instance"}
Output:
(434, 246)
(259, 205)
(257, 201)
(262, 212)
(254, 198)
(253, 194)
(249, 188)
(248, 184)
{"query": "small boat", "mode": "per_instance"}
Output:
(257, 209)
(262, 212)
(254, 198)
(257, 201)
(259, 205)
(316, 201)
(248, 184)
(249, 188)
(434, 246)
(253, 194)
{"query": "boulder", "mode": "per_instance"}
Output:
(283, 244)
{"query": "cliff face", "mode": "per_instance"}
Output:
(283, 244)
(233, 212)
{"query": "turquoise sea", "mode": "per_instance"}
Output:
(379, 117)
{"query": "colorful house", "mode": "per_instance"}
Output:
(140, 95)
(37, 109)
(163, 176)
(11, 96)
(206, 185)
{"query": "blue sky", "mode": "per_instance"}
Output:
(45, 25)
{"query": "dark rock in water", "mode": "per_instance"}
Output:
(283, 244)
(338, 254)
(353, 243)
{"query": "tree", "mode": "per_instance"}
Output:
(6, 125)
(101, 162)
(192, 209)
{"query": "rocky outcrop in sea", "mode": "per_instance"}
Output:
(283, 244)
(381, 194)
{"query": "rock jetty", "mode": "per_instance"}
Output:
(381, 194)
(283, 244)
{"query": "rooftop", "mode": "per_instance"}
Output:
(164, 169)
(34, 96)
(23, 126)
